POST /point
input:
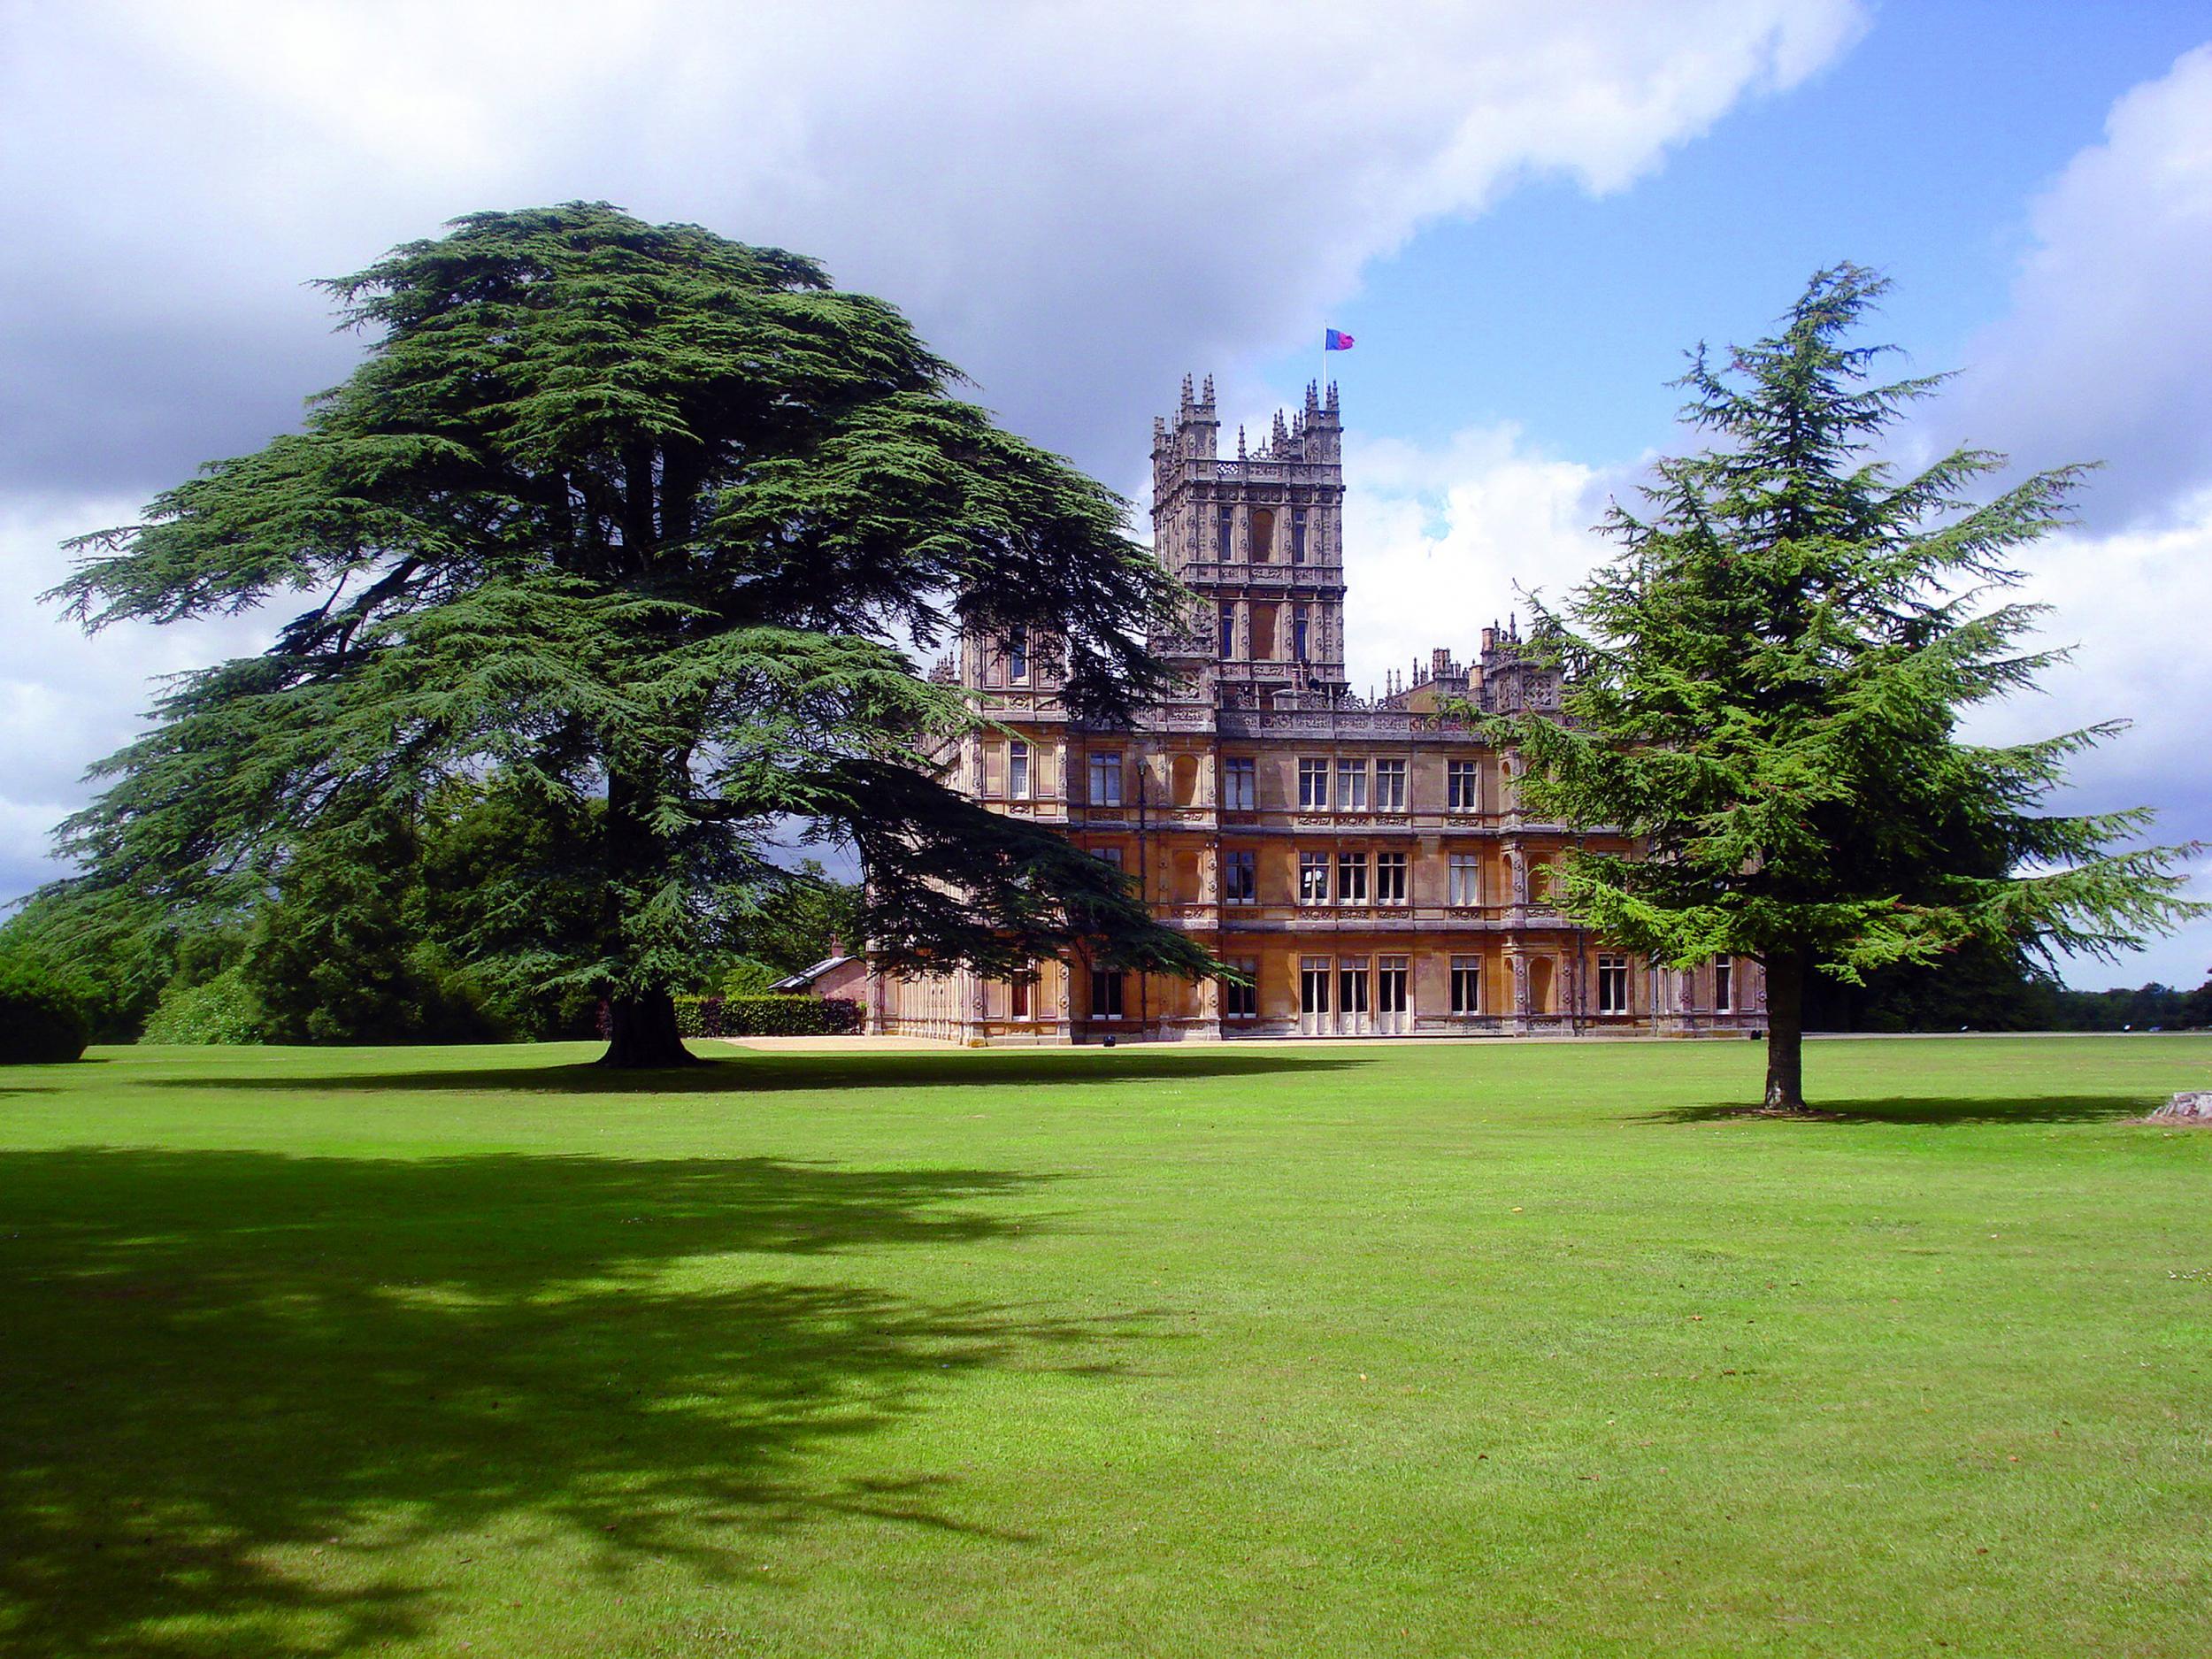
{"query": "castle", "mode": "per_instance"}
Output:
(1363, 863)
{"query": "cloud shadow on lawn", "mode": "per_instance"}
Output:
(1933, 1113)
(754, 1073)
(215, 1358)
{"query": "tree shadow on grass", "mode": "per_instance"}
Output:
(1934, 1113)
(765, 1073)
(217, 1363)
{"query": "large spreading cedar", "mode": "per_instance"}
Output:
(647, 521)
(1763, 687)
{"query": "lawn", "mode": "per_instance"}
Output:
(1489, 1349)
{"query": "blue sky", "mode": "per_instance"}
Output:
(1523, 210)
(1914, 152)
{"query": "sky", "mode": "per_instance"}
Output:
(1523, 212)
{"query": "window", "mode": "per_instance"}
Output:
(1612, 985)
(1463, 781)
(1106, 780)
(1298, 535)
(1239, 777)
(1228, 631)
(1018, 999)
(1241, 1001)
(1351, 785)
(1390, 878)
(1351, 878)
(1225, 533)
(1390, 986)
(1018, 661)
(1723, 985)
(1106, 994)
(1017, 771)
(1240, 877)
(1301, 633)
(1313, 877)
(1466, 985)
(1390, 786)
(1351, 986)
(1111, 854)
(1313, 985)
(1465, 873)
(1313, 786)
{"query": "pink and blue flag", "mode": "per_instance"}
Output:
(1335, 339)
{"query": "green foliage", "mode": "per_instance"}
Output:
(802, 918)
(766, 1016)
(42, 1018)
(1764, 686)
(647, 520)
(221, 1009)
(746, 977)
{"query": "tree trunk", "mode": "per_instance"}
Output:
(1785, 1032)
(641, 1032)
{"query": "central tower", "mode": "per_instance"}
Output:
(1259, 539)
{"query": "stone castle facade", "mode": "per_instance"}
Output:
(1364, 862)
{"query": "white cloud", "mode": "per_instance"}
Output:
(1438, 541)
(2105, 352)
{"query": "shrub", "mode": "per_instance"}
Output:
(767, 1016)
(41, 1020)
(223, 1009)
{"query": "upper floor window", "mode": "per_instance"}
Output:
(1390, 786)
(1228, 631)
(1225, 533)
(1301, 633)
(1351, 878)
(1240, 877)
(1313, 877)
(1313, 785)
(1018, 661)
(1018, 770)
(1298, 535)
(1462, 785)
(1351, 785)
(1105, 781)
(1107, 854)
(1465, 871)
(1390, 878)
(1612, 985)
(1238, 783)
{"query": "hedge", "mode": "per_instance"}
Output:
(41, 1023)
(766, 1016)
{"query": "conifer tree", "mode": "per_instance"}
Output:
(1764, 688)
(634, 516)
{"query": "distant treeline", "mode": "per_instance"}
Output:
(1993, 994)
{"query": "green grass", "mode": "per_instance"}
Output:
(1475, 1349)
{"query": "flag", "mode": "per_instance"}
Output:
(1335, 339)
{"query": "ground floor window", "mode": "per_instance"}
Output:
(1723, 985)
(1106, 994)
(1018, 999)
(1351, 986)
(1612, 985)
(1466, 985)
(1241, 1001)
(1390, 986)
(1313, 985)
